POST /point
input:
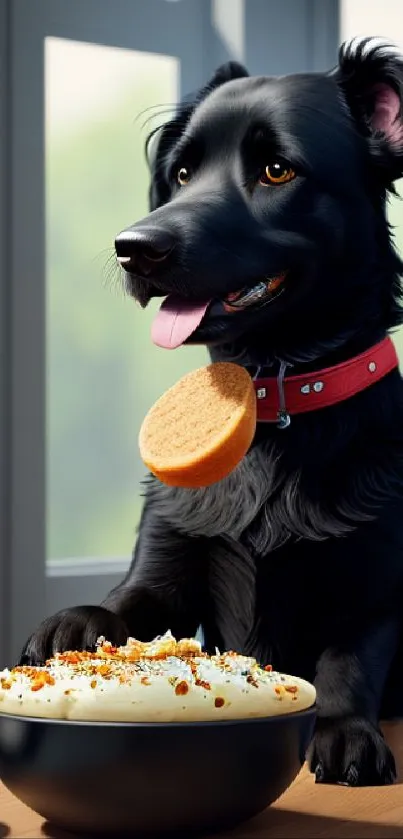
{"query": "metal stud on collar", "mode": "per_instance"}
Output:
(317, 387)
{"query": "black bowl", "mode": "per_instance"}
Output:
(151, 777)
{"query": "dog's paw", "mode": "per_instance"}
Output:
(351, 752)
(73, 629)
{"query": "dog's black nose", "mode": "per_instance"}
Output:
(142, 250)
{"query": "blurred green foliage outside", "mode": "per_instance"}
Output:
(103, 373)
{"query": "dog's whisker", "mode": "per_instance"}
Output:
(101, 254)
(156, 116)
(112, 274)
(161, 106)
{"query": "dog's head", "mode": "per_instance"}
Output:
(268, 208)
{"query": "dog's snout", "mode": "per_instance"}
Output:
(143, 250)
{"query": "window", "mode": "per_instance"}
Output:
(103, 373)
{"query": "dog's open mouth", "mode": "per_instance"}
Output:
(178, 318)
(261, 293)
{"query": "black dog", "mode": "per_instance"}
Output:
(268, 225)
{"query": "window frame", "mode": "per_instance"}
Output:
(30, 588)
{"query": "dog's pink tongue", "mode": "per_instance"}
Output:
(175, 321)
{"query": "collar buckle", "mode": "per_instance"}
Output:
(283, 420)
(283, 417)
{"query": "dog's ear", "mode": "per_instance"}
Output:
(162, 139)
(370, 75)
(225, 73)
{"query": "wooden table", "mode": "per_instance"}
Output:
(305, 811)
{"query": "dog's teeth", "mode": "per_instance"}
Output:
(123, 259)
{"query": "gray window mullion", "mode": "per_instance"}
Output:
(28, 361)
(5, 351)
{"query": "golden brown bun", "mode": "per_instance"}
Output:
(200, 429)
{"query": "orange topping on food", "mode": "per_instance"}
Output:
(30, 672)
(202, 684)
(187, 647)
(71, 658)
(138, 662)
(182, 688)
(41, 678)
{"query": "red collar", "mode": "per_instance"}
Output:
(278, 400)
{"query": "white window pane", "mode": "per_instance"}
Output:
(103, 373)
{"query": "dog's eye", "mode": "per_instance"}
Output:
(183, 176)
(277, 173)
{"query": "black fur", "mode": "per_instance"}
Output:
(297, 557)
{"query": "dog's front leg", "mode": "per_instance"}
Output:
(165, 587)
(348, 746)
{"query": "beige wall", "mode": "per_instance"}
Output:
(383, 18)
